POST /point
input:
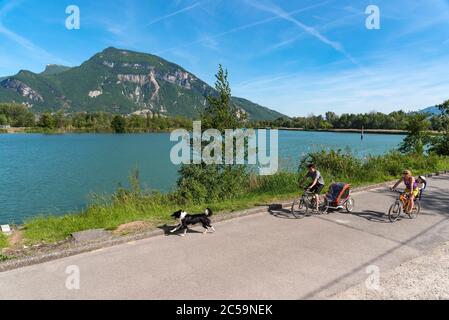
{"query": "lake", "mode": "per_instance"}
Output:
(41, 174)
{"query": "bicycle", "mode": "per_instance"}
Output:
(307, 202)
(400, 205)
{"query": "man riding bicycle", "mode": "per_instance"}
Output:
(317, 184)
(411, 189)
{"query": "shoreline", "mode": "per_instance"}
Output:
(80, 131)
(75, 131)
(367, 131)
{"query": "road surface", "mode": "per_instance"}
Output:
(263, 256)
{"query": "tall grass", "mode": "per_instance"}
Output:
(3, 241)
(134, 204)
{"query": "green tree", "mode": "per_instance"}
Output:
(118, 124)
(60, 120)
(17, 115)
(201, 183)
(137, 122)
(332, 118)
(78, 120)
(440, 145)
(221, 112)
(437, 124)
(46, 121)
(418, 136)
(3, 120)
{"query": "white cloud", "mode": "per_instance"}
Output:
(240, 28)
(277, 11)
(167, 16)
(269, 7)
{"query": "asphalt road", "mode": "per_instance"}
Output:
(263, 256)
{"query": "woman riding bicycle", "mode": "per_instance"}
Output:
(411, 190)
(317, 184)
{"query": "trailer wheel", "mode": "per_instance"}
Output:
(350, 204)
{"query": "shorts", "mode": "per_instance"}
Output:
(317, 188)
(415, 192)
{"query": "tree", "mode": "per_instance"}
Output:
(332, 118)
(78, 120)
(437, 124)
(221, 112)
(46, 121)
(440, 145)
(417, 137)
(59, 119)
(137, 122)
(118, 124)
(17, 115)
(3, 120)
(203, 182)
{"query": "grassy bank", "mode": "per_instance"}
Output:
(134, 204)
(3, 242)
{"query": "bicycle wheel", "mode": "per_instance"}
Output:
(394, 212)
(350, 204)
(297, 206)
(324, 205)
(416, 210)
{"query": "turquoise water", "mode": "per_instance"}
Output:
(41, 174)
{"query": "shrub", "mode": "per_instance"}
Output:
(3, 241)
(206, 183)
(279, 183)
(118, 124)
(343, 166)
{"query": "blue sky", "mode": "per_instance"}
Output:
(296, 56)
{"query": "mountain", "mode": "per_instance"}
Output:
(54, 69)
(432, 110)
(119, 81)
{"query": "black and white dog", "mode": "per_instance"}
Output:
(186, 220)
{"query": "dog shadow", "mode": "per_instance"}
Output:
(167, 229)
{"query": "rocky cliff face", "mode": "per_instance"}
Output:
(145, 91)
(22, 89)
(120, 81)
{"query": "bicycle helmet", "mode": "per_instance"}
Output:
(423, 178)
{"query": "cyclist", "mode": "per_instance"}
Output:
(317, 184)
(411, 189)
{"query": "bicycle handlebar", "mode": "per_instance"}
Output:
(401, 193)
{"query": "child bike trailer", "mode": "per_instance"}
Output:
(339, 196)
